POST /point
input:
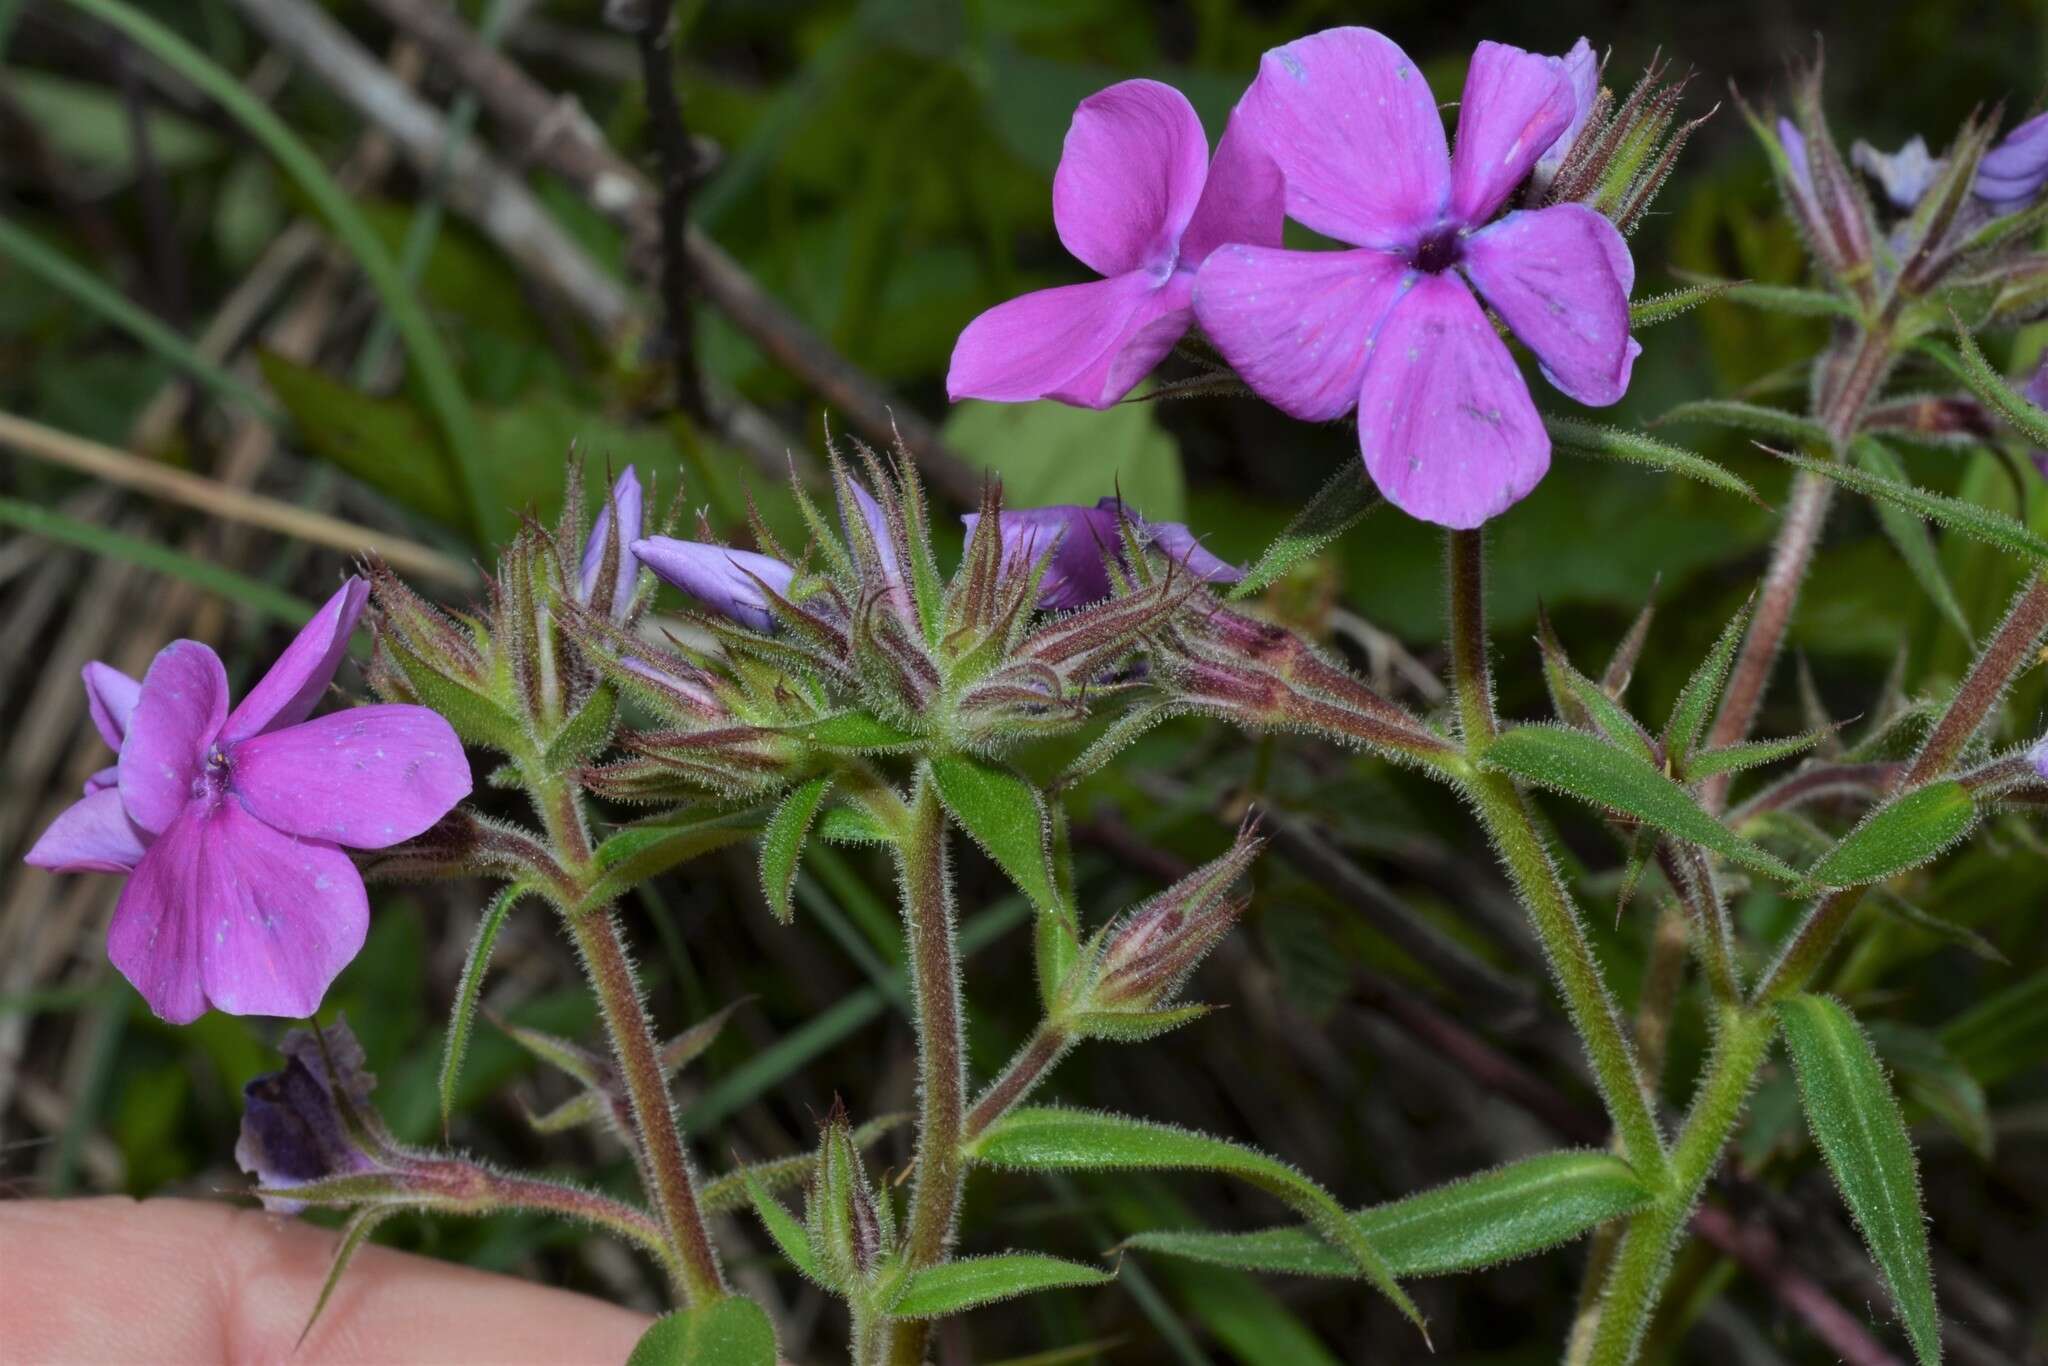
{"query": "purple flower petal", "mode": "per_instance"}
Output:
(178, 715)
(293, 1129)
(1582, 69)
(1355, 131)
(2036, 389)
(1444, 420)
(225, 911)
(110, 699)
(1516, 104)
(92, 835)
(293, 687)
(105, 778)
(2014, 171)
(1243, 200)
(1052, 343)
(2039, 755)
(1298, 325)
(1129, 178)
(719, 577)
(626, 497)
(1177, 543)
(366, 777)
(1075, 538)
(1160, 320)
(1560, 278)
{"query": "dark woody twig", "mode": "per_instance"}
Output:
(650, 22)
(555, 133)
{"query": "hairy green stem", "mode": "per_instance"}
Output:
(572, 1202)
(635, 1049)
(942, 1051)
(1511, 824)
(1046, 1046)
(1636, 1279)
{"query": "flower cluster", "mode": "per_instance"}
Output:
(1341, 133)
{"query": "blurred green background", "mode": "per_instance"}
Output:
(883, 168)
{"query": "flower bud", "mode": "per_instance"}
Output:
(852, 1227)
(2012, 174)
(609, 573)
(732, 583)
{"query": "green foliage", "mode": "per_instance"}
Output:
(1006, 816)
(1497, 1216)
(1855, 1119)
(469, 988)
(1612, 443)
(640, 852)
(1986, 524)
(1340, 504)
(1589, 768)
(1908, 534)
(1702, 692)
(1050, 453)
(727, 1332)
(1049, 1139)
(1749, 417)
(1904, 833)
(782, 842)
(952, 1287)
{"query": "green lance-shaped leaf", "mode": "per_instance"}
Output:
(733, 1190)
(782, 842)
(953, 1287)
(1908, 533)
(729, 1332)
(1046, 1138)
(850, 824)
(1006, 816)
(1971, 519)
(785, 1228)
(462, 1016)
(1607, 716)
(1337, 506)
(1748, 754)
(1748, 417)
(1702, 691)
(1587, 767)
(1905, 832)
(1968, 364)
(1855, 1119)
(354, 1234)
(855, 731)
(631, 856)
(1612, 443)
(1788, 299)
(1512, 1211)
(1659, 308)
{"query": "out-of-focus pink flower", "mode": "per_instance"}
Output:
(231, 823)
(1393, 329)
(1137, 199)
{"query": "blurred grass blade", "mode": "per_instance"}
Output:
(123, 312)
(254, 594)
(1591, 438)
(1855, 1119)
(1337, 506)
(437, 375)
(1496, 1216)
(2005, 1035)
(1969, 518)
(1908, 533)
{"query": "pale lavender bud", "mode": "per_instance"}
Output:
(616, 596)
(877, 523)
(1904, 175)
(1082, 540)
(729, 582)
(2014, 172)
(2038, 756)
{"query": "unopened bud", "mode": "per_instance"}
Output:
(851, 1226)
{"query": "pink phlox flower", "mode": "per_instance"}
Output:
(231, 824)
